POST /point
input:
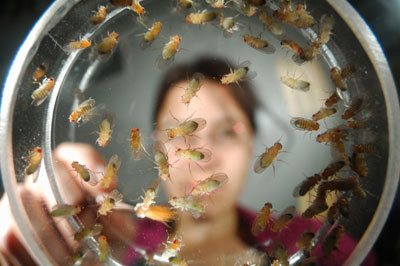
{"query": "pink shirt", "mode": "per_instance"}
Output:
(152, 234)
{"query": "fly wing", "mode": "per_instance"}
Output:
(250, 75)
(206, 153)
(246, 63)
(154, 185)
(289, 210)
(257, 166)
(201, 123)
(164, 63)
(293, 122)
(40, 101)
(222, 178)
(200, 77)
(116, 195)
(94, 178)
(94, 115)
(269, 49)
(116, 160)
(160, 146)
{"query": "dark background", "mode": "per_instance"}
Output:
(383, 16)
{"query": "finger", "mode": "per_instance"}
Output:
(44, 226)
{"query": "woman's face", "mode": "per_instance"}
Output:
(228, 135)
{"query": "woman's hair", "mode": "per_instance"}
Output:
(214, 69)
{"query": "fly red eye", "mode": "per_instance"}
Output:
(333, 69)
(179, 149)
(137, 130)
(39, 150)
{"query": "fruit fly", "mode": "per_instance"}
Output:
(177, 261)
(169, 51)
(353, 109)
(201, 17)
(343, 206)
(106, 128)
(304, 242)
(338, 76)
(332, 213)
(186, 128)
(149, 196)
(63, 210)
(267, 158)
(258, 44)
(323, 113)
(332, 169)
(317, 206)
(197, 154)
(331, 241)
(109, 202)
(83, 112)
(283, 219)
(274, 27)
(136, 144)
(193, 87)
(158, 213)
(121, 3)
(39, 72)
(185, 3)
(137, 7)
(161, 160)
(209, 184)
(306, 185)
(217, 3)
(88, 232)
(84, 173)
(262, 219)
(364, 148)
(305, 20)
(308, 53)
(300, 123)
(332, 135)
(111, 171)
(245, 8)
(359, 164)
(291, 46)
(256, 2)
(172, 248)
(40, 94)
(238, 75)
(325, 28)
(151, 34)
(35, 156)
(77, 45)
(188, 203)
(355, 124)
(104, 249)
(99, 15)
(228, 25)
(332, 100)
(296, 84)
(344, 184)
(108, 43)
(281, 254)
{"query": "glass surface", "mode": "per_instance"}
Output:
(125, 86)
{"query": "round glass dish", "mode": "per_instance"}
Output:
(124, 85)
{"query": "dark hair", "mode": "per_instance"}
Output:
(211, 68)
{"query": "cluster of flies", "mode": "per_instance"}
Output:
(320, 183)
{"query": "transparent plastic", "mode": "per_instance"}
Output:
(125, 82)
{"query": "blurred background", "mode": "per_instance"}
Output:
(18, 17)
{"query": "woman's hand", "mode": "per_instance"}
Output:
(55, 234)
